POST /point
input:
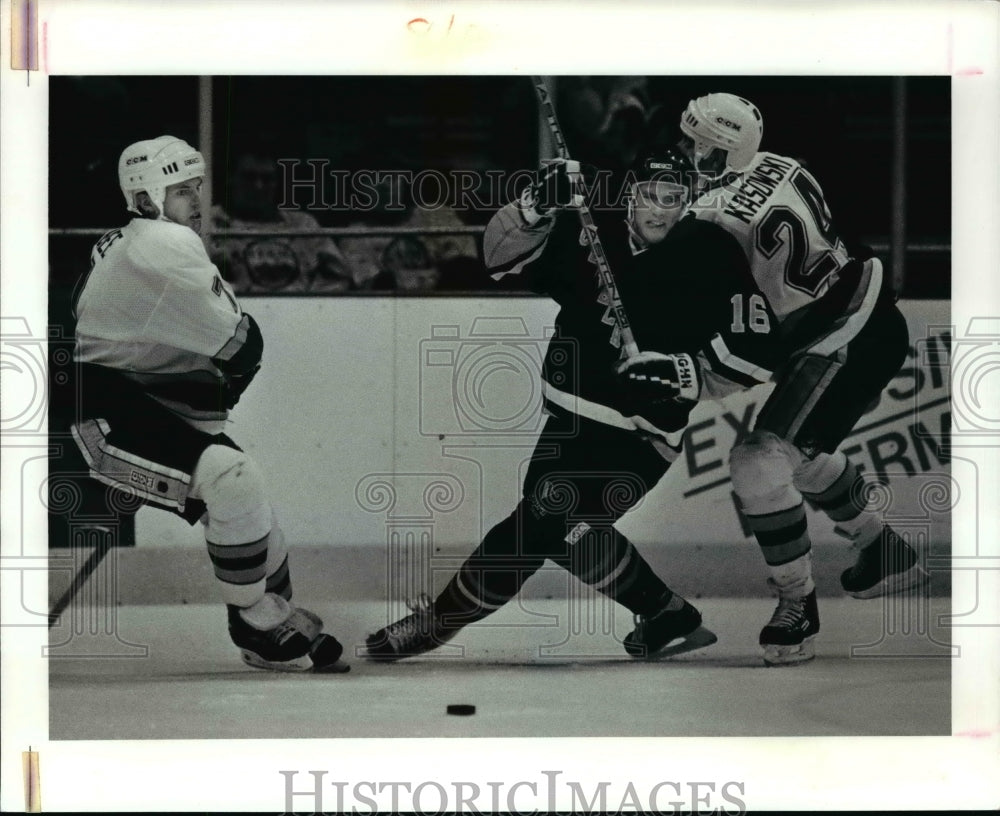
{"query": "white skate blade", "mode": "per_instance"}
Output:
(301, 665)
(793, 655)
(698, 639)
(895, 584)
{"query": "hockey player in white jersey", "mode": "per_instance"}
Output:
(846, 340)
(164, 351)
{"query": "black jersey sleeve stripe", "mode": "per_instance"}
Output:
(730, 365)
(509, 243)
(518, 261)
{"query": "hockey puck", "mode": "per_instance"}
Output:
(461, 710)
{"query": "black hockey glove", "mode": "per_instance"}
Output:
(650, 378)
(557, 184)
(236, 384)
(239, 369)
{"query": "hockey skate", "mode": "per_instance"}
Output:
(413, 635)
(788, 637)
(273, 634)
(887, 566)
(669, 632)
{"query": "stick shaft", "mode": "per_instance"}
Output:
(604, 275)
(91, 564)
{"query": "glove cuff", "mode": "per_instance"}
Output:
(528, 206)
(687, 377)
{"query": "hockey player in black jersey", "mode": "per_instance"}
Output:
(164, 352)
(614, 423)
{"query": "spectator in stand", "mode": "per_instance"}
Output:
(407, 262)
(605, 118)
(405, 266)
(260, 263)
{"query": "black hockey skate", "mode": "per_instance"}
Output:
(887, 566)
(668, 633)
(413, 635)
(282, 637)
(788, 637)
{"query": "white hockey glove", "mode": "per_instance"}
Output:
(558, 183)
(650, 378)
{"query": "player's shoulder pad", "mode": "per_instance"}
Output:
(165, 239)
(764, 155)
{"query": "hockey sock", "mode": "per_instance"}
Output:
(782, 535)
(492, 575)
(240, 522)
(794, 579)
(479, 588)
(842, 496)
(240, 569)
(766, 471)
(784, 541)
(607, 561)
(280, 582)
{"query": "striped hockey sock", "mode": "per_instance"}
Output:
(479, 588)
(492, 575)
(845, 501)
(241, 570)
(280, 582)
(607, 561)
(784, 541)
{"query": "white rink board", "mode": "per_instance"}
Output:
(376, 414)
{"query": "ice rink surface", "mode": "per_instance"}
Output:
(544, 668)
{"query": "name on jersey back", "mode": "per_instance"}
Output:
(757, 188)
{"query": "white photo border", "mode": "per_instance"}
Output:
(296, 37)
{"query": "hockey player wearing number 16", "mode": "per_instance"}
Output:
(846, 340)
(164, 351)
(613, 426)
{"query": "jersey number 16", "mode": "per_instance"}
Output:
(756, 316)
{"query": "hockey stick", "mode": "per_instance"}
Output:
(609, 297)
(100, 550)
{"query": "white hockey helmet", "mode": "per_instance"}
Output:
(724, 121)
(153, 165)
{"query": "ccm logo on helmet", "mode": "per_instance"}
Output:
(136, 160)
(728, 123)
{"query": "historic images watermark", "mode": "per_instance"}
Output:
(486, 382)
(54, 488)
(312, 184)
(320, 791)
